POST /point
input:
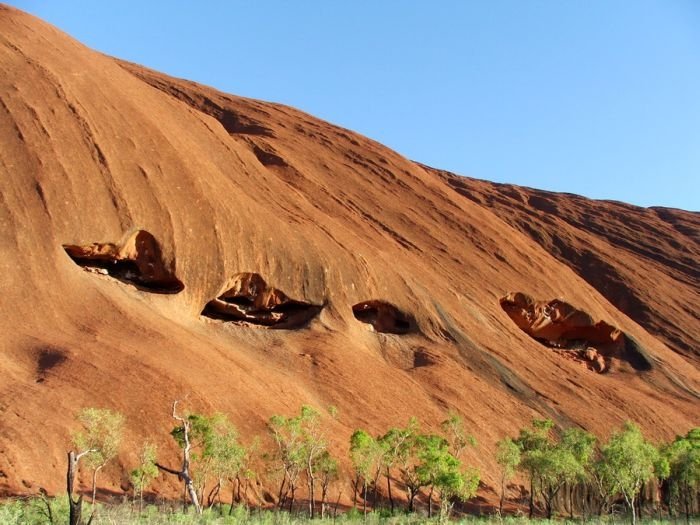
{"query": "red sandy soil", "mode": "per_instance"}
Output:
(94, 150)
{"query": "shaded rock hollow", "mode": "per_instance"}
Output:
(229, 186)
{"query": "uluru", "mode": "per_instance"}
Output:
(161, 240)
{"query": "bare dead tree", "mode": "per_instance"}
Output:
(75, 506)
(184, 473)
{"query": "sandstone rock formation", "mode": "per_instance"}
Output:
(92, 147)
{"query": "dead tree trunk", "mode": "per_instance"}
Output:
(184, 473)
(75, 506)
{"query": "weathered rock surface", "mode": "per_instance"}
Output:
(92, 147)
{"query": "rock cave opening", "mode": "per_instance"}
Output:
(384, 317)
(569, 331)
(250, 300)
(137, 261)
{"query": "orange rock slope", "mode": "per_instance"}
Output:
(161, 239)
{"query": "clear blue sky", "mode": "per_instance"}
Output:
(599, 97)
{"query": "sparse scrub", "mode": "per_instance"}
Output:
(568, 474)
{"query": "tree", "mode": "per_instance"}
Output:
(366, 455)
(508, 457)
(441, 470)
(532, 442)
(456, 435)
(142, 476)
(300, 443)
(328, 470)
(553, 463)
(581, 445)
(314, 446)
(394, 445)
(627, 462)
(181, 433)
(683, 457)
(223, 455)
(99, 438)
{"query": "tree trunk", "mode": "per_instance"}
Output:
(388, 488)
(141, 495)
(233, 495)
(213, 494)
(532, 499)
(94, 483)
(503, 493)
(324, 494)
(571, 502)
(293, 490)
(75, 506)
(364, 498)
(280, 499)
(184, 472)
(430, 501)
(312, 507)
(631, 504)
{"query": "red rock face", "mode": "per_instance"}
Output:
(643, 260)
(259, 214)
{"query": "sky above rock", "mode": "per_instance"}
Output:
(594, 98)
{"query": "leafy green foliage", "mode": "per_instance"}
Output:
(143, 475)
(682, 458)
(552, 463)
(627, 462)
(100, 436)
(456, 435)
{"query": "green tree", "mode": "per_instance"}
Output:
(532, 443)
(456, 435)
(201, 436)
(99, 438)
(395, 445)
(223, 454)
(627, 462)
(551, 463)
(367, 456)
(683, 457)
(581, 445)
(315, 445)
(508, 458)
(143, 475)
(408, 461)
(300, 442)
(442, 472)
(328, 471)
